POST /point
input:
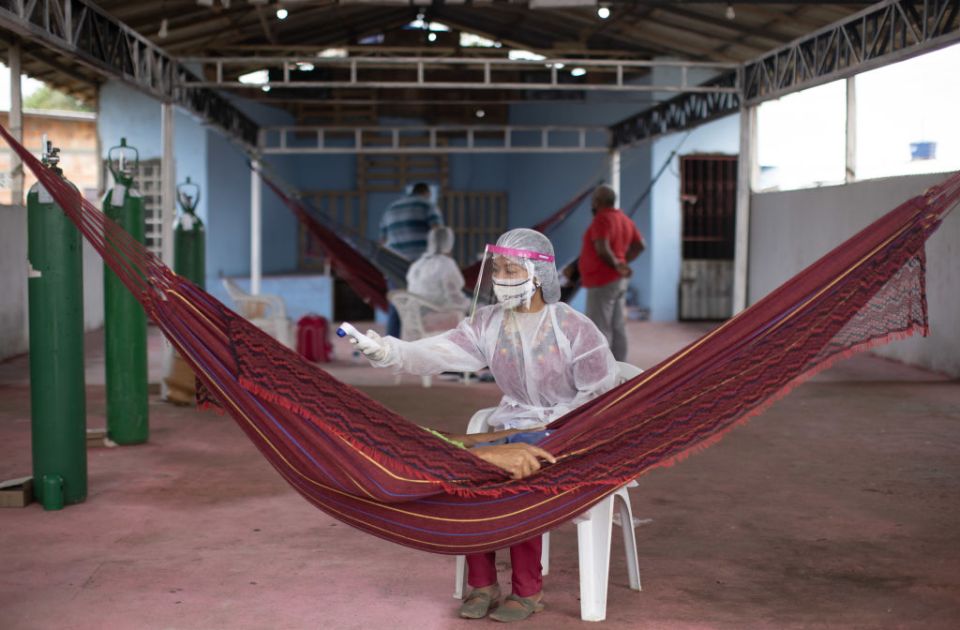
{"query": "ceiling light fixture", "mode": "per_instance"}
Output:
(603, 12)
(257, 77)
(265, 88)
(578, 72)
(163, 32)
(282, 14)
(480, 113)
(432, 37)
(730, 13)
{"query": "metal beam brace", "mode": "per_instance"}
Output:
(888, 32)
(473, 73)
(438, 139)
(885, 33)
(89, 35)
(679, 113)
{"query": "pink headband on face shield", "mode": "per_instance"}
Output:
(519, 253)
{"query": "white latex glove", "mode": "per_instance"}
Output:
(373, 348)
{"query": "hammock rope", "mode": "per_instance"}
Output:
(368, 467)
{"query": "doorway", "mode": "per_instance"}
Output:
(708, 201)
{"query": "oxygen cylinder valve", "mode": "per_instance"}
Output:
(50, 155)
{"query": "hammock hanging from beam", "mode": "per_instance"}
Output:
(347, 262)
(368, 467)
(363, 259)
(392, 265)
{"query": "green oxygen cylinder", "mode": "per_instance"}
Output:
(189, 236)
(58, 417)
(125, 325)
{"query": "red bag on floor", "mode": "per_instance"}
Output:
(313, 338)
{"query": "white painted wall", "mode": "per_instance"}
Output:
(13, 283)
(92, 288)
(789, 230)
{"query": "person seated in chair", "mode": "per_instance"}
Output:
(546, 357)
(435, 276)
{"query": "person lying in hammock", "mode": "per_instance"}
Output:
(546, 357)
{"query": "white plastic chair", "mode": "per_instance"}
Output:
(266, 312)
(413, 309)
(594, 532)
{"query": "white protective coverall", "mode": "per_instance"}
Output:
(546, 363)
(435, 276)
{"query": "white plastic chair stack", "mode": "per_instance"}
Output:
(594, 532)
(266, 312)
(421, 318)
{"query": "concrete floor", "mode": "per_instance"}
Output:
(839, 507)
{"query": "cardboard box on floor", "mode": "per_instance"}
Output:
(16, 492)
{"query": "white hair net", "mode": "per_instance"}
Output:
(544, 272)
(440, 240)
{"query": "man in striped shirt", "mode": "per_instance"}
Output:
(404, 229)
(407, 221)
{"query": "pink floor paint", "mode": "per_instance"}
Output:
(837, 508)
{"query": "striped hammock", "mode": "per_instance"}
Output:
(366, 466)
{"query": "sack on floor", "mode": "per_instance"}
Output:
(181, 382)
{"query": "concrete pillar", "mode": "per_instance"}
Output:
(746, 169)
(16, 125)
(256, 228)
(851, 169)
(615, 173)
(168, 188)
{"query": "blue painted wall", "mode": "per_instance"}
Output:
(536, 185)
(228, 227)
(128, 113)
(540, 184)
(663, 242)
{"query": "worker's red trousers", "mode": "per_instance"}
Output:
(524, 557)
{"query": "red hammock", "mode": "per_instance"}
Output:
(349, 264)
(368, 467)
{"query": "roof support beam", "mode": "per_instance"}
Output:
(888, 32)
(682, 112)
(885, 33)
(469, 73)
(87, 34)
(442, 139)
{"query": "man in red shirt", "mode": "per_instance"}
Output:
(611, 242)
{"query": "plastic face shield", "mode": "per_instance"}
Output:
(506, 276)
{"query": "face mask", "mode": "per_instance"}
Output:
(513, 293)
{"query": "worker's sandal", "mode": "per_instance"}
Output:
(508, 614)
(478, 603)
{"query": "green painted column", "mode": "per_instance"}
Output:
(58, 418)
(125, 325)
(189, 236)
